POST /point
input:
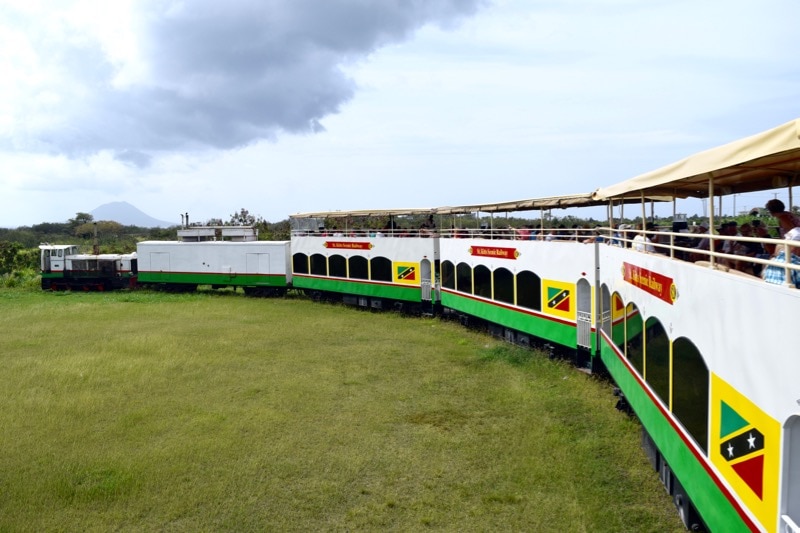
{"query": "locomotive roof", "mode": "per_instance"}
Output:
(767, 160)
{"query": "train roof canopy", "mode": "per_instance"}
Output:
(768, 160)
(570, 200)
(551, 202)
(366, 213)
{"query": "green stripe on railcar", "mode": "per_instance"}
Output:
(715, 508)
(197, 278)
(359, 288)
(547, 329)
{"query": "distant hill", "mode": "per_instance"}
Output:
(128, 215)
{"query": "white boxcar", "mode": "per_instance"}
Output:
(259, 267)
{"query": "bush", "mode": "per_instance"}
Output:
(27, 278)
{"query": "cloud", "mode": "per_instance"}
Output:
(157, 76)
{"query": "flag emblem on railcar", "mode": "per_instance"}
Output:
(407, 273)
(744, 445)
(558, 299)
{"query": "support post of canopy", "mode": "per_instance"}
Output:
(644, 215)
(711, 242)
(541, 222)
(672, 229)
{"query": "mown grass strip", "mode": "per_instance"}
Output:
(145, 411)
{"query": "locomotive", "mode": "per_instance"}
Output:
(714, 385)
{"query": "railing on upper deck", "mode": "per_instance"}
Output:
(684, 247)
(789, 525)
(677, 246)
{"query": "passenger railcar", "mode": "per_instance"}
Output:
(705, 355)
(376, 269)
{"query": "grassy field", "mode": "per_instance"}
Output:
(215, 412)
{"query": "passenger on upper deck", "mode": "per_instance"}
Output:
(704, 244)
(727, 246)
(749, 249)
(642, 243)
(524, 233)
(786, 220)
(776, 274)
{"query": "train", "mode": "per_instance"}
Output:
(701, 353)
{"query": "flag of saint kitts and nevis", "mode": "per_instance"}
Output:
(558, 298)
(407, 273)
(745, 447)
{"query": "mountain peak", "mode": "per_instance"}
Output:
(128, 215)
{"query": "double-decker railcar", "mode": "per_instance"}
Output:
(528, 289)
(379, 269)
(706, 355)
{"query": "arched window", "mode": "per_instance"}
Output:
(483, 281)
(338, 266)
(618, 321)
(690, 389)
(359, 268)
(381, 269)
(656, 351)
(503, 285)
(319, 265)
(605, 310)
(300, 264)
(448, 275)
(464, 278)
(634, 345)
(529, 290)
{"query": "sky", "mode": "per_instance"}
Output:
(293, 106)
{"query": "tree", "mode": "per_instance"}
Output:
(244, 218)
(105, 228)
(80, 218)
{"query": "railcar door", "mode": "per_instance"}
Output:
(584, 314)
(159, 266)
(425, 279)
(791, 507)
(258, 263)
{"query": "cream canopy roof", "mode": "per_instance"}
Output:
(552, 202)
(765, 161)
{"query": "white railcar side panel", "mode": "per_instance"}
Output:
(215, 257)
(556, 260)
(392, 248)
(743, 326)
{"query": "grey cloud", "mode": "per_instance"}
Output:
(226, 74)
(131, 157)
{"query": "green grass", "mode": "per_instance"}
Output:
(206, 412)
